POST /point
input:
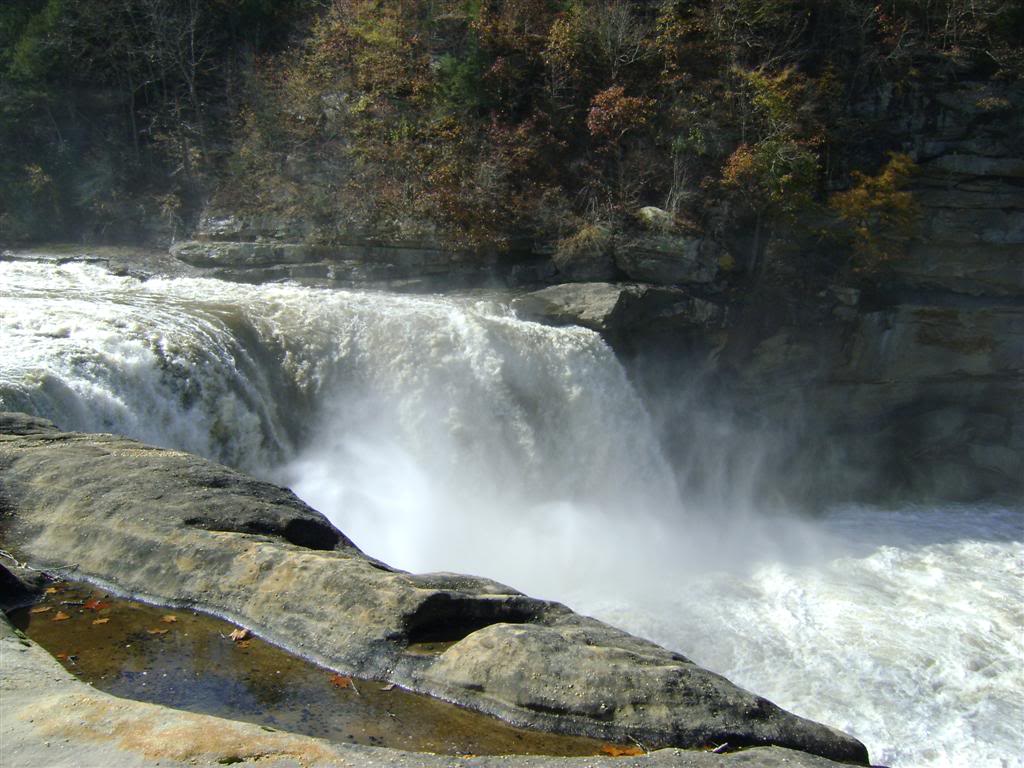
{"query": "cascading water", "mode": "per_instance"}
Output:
(446, 434)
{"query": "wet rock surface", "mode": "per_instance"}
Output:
(178, 530)
(665, 259)
(47, 717)
(191, 661)
(136, 262)
(620, 310)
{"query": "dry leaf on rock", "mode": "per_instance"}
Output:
(41, 609)
(613, 750)
(60, 616)
(51, 591)
(95, 605)
(158, 631)
(341, 681)
(104, 620)
(240, 634)
(169, 618)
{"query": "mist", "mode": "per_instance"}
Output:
(446, 434)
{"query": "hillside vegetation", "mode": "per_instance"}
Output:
(482, 124)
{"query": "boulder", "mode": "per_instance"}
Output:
(178, 530)
(669, 259)
(614, 309)
(592, 305)
(656, 219)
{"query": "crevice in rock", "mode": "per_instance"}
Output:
(447, 618)
(308, 534)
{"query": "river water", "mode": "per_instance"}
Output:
(445, 434)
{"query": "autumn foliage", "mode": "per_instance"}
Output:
(484, 124)
(879, 212)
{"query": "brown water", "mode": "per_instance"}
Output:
(187, 660)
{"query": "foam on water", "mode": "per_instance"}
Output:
(904, 627)
(446, 434)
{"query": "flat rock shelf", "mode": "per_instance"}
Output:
(174, 529)
(191, 661)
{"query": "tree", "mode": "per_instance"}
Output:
(774, 170)
(880, 214)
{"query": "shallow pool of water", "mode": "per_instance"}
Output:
(190, 661)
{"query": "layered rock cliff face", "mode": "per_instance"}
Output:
(916, 384)
(909, 385)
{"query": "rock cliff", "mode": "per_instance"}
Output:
(907, 383)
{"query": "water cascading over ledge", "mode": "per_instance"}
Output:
(446, 434)
(437, 433)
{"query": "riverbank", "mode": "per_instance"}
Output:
(181, 531)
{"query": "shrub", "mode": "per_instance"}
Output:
(880, 214)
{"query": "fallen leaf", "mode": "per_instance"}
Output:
(60, 616)
(61, 656)
(158, 631)
(41, 609)
(388, 687)
(169, 619)
(95, 605)
(615, 751)
(51, 591)
(340, 681)
(240, 634)
(104, 620)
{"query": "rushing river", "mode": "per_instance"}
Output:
(445, 434)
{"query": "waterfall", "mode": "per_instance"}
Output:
(438, 434)
(445, 434)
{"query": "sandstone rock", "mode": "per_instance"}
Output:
(974, 226)
(917, 343)
(592, 305)
(179, 530)
(669, 259)
(19, 586)
(974, 270)
(615, 308)
(587, 256)
(977, 165)
(929, 399)
(224, 227)
(48, 718)
(23, 424)
(230, 226)
(241, 254)
(123, 261)
(656, 219)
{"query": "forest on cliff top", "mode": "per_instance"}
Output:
(475, 123)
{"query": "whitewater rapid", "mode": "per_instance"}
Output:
(445, 434)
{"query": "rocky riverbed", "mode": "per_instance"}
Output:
(178, 530)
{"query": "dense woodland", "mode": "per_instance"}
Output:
(484, 124)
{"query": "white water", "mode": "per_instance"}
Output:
(447, 435)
